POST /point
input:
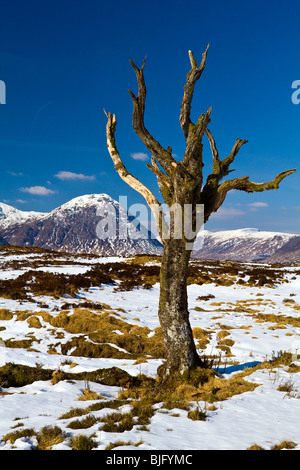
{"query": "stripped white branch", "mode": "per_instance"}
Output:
(131, 180)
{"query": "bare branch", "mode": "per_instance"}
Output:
(213, 200)
(213, 194)
(131, 180)
(214, 150)
(163, 181)
(193, 75)
(221, 167)
(244, 184)
(163, 156)
(226, 162)
(193, 150)
(161, 176)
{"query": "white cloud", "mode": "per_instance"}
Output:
(69, 175)
(258, 204)
(14, 173)
(37, 190)
(224, 213)
(139, 156)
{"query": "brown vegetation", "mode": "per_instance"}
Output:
(135, 273)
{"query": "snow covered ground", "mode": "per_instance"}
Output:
(264, 416)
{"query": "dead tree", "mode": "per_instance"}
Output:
(181, 183)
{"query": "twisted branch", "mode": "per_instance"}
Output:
(164, 183)
(221, 167)
(193, 75)
(131, 180)
(244, 184)
(163, 156)
(214, 199)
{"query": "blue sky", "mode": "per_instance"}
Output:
(64, 61)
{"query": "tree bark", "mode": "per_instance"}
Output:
(181, 354)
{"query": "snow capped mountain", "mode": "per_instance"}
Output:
(10, 215)
(93, 223)
(248, 244)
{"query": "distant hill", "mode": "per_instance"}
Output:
(289, 253)
(248, 244)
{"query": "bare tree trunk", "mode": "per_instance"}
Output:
(173, 312)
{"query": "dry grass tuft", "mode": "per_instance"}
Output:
(50, 436)
(255, 447)
(34, 322)
(88, 394)
(120, 443)
(82, 442)
(85, 423)
(5, 314)
(13, 436)
(57, 376)
(198, 414)
(284, 445)
(118, 422)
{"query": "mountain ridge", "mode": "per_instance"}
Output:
(77, 226)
